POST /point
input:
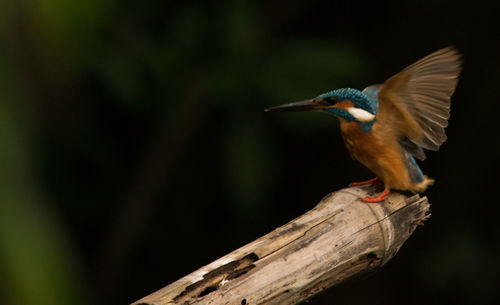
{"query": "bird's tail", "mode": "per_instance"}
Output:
(422, 186)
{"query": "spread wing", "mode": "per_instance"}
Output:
(416, 101)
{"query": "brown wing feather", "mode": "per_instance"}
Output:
(417, 99)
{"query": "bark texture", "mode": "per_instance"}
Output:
(340, 238)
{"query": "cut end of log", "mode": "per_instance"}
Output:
(340, 238)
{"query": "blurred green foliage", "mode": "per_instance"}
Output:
(37, 261)
(135, 147)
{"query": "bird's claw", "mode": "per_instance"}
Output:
(379, 198)
(374, 181)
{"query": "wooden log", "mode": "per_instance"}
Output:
(338, 239)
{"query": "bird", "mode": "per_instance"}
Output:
(387, 126)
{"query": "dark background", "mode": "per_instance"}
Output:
(135, 149)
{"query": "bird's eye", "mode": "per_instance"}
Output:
(327, 101)
(332, 100)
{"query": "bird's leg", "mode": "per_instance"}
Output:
(379, 198)
(373, 181)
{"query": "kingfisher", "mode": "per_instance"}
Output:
(387, 126)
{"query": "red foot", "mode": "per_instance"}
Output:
(373, 181)
(379, 198)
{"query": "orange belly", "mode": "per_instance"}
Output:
(380, 152)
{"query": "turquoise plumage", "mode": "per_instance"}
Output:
(385, 127)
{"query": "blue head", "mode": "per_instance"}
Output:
(347, 104)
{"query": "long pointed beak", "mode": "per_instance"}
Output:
(307, 105)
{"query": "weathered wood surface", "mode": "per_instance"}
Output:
(341, 237)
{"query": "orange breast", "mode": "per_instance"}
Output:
(379, 151)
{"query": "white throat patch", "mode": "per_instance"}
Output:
(360, 114)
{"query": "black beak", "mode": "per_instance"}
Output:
(307, 105)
